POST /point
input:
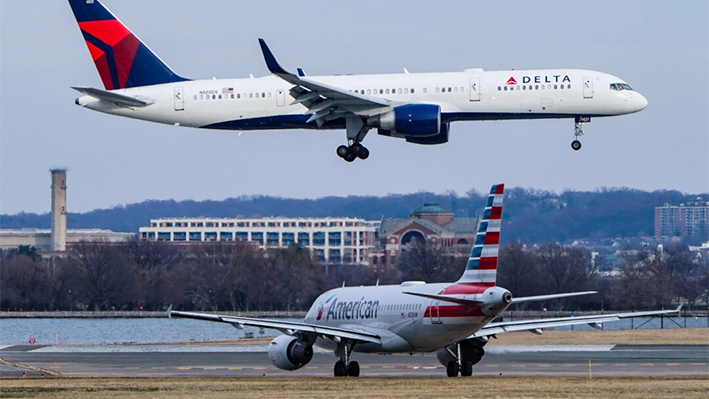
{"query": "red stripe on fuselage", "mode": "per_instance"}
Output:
(453, 311)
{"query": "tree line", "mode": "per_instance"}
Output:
(538, 216)
(224, 276)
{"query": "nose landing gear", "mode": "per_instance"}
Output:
(578, 131)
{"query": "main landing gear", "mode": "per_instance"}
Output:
(356, 130)
(352, 152)
(460, 364)
(344, 367)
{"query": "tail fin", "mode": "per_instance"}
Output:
(122, 60)
(482, 264)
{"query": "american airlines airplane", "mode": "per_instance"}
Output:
(454, 320)
(418, 107)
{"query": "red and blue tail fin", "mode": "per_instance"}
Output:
(482, 264)
(122, 60)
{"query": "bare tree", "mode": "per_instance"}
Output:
(426, 261)
(517, 269)
(106, 278)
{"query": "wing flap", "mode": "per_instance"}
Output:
(285, 327)
(324, 102)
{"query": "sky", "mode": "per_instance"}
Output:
(660, 48)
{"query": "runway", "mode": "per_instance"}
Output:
(246, 361)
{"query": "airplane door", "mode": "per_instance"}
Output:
(474, 89)
(587, 87)
(281, 97)
(179, 99)
(435, 313)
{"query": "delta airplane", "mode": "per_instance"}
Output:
(418, 107)
(455, 320)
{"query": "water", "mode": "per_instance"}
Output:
(122, 330)
(118, 331)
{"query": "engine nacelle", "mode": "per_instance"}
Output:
(440, 138)
(287, 353)
(420, 120)
(471, 350)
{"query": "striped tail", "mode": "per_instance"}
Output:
(482, 264)
(122, 60)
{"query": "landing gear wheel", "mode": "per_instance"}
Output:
(363, 152)
(452, 369)
(350, 156)
(466, 369)
(340, 369)
(353, 369)
(342, 151)
(576, 145)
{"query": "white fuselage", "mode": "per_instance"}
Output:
(265, 103)
(405, 323)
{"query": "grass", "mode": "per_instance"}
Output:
(502, 387)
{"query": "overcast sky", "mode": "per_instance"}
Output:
(660, 48)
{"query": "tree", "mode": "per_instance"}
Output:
(106, 280)
(25, 283)
(516, 269)
(429, 262)
(151, 261)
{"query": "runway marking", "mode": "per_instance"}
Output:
(647, 364)
(543, 365)
(235, 368)
(491, 365)
(596, 364)
(672, 364)
(388, 367)
(209, 368)
(364, 367)
(132, 368)
(184, 368)
(421, 367)
(621, 364)
(517, 365)
(313, 368)
(157, 368)
(569, 365)
(260, 368)
(698, 364)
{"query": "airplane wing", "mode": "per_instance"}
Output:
(286, 327)
(536, 325)
(323, 101)
(550, 296)
(113, 97)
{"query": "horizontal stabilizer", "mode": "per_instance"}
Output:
(551, 296)
(113, 97)
(448, 298)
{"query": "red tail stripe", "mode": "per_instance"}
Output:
(492, 238)
(496, 212)
(109, 32)
(489, 263)
(499, 189)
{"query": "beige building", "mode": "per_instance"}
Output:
(42, 238)
(332, 240)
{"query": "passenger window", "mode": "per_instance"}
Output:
(437, 90)
(536, 87)
(195, 96)
(554, 87)
(201, 97)
(449, 90)
(499, 88)
(406, 91)
(251, 95)
(425, 90)
(398, 91)
(505, 88)
(412, 90)
(214, 97)
(381, 91)
(387, 91)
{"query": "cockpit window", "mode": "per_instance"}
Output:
(620, 86)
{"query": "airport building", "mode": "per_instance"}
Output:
(429, 223)
(689, 221)
(332, 240)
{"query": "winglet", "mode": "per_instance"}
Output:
(271, 61)
(169, 312)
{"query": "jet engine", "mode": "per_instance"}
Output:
(411, 120)
(287, 353)
(440, 138)
(471, 349)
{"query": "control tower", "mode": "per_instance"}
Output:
(58, 209)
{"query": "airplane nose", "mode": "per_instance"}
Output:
(640, 102)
